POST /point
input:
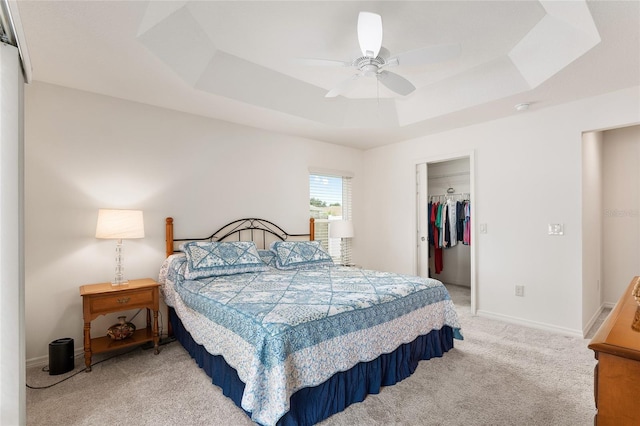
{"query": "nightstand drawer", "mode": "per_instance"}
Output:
(125, 300)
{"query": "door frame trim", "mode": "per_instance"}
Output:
(472, 192)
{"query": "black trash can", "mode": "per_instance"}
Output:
(61, 356)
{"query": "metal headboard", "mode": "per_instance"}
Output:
(260, 231)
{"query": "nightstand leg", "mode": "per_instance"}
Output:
(156, 337)
(87, 346)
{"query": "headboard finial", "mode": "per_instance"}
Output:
(169, 236)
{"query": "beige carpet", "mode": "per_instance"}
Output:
(501, 374)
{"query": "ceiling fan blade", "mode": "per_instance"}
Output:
(426, 55)
(395, 82)
(314, 62)
(342, 87)
(370, 33)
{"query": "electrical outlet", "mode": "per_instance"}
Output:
(520, 290)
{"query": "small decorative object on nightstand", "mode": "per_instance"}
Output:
(103, 298)
(122, 329)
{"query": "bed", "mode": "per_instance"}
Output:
(287, 335)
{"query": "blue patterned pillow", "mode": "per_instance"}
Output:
(212, 259)
(300, 254)
(268, 257)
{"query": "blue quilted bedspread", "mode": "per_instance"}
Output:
(284, 330)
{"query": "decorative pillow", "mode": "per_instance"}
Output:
(300, 254)
(268, 257)
(212, 259)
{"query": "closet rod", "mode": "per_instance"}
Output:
(467, 194)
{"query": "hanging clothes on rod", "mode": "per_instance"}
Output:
(449, 223)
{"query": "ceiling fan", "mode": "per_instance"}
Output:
(376, 58)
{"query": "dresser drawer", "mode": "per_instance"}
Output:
(124, 300)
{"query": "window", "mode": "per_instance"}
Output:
(330, 200)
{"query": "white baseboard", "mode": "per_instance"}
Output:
(593, 320)
(531, 324)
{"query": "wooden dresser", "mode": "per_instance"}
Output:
(617, 374)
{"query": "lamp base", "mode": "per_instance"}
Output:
(119, 277)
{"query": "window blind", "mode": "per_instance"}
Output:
(330, 199)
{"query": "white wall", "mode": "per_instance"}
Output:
(528, 173)
(621, 207)
(86, 151)
(592, 279)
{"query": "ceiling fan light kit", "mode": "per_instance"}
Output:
(375, 58)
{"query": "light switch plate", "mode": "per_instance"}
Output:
(556, 229)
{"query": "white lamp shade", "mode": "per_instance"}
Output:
(341, 229)
(120, 224)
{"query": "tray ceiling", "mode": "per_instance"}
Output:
(240, 61)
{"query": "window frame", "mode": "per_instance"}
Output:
(340, 251)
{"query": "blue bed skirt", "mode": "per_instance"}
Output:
(312, 405)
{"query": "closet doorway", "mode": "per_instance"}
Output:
(610, 217)
(445, 250)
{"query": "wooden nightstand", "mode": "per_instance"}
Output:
(103, 298)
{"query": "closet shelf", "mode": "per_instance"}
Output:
(448, 175)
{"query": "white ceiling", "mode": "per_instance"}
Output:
(240, 61)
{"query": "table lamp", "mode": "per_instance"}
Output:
(119, 225)
(342, 229)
